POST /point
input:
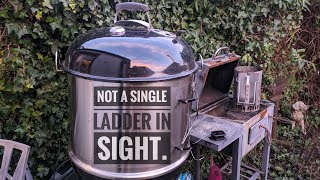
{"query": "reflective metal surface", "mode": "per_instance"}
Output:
(131, 54)
(138, 55)
(117, 31)
(82, 146)
(247, 89)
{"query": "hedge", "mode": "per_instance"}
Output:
(34, 97)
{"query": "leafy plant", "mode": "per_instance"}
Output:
(34, 97)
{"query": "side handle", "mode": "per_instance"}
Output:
(218, 51)
(185, 101)
(56, 59)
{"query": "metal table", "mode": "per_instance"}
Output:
(200, 134)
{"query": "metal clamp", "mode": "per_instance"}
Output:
(226, 49)
(56, 62)
(133, 6)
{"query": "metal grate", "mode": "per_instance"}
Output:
(246, 172)
(248, 108)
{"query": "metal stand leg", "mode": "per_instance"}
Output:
(196, 164)
(28, 174)
(265, 160)
(236, 159)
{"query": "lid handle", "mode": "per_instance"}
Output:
(132, 6)
(224, 49)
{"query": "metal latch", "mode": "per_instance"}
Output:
(185, 101)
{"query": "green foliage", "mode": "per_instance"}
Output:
(34, 97)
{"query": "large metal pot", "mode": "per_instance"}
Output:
(115, 133)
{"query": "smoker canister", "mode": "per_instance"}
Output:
(247, 93)
(130, 90)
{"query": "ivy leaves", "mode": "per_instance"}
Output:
(18, 29)
(46, 3)
(34, 98)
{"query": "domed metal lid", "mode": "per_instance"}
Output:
(131, 50)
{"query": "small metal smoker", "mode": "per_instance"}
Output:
(247, 88)
(217, 110)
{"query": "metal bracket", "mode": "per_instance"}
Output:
(246, 91)
(185, 101)
(183, 148)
